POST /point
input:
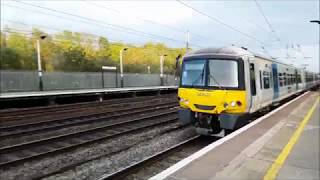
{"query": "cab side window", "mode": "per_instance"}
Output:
(252, 80)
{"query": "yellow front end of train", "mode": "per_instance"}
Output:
(212, 92)
(212, 101)
(212, 111)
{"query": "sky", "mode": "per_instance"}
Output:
(278, 28)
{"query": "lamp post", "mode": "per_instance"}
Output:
(39, 62)
(317, 21)
(161, 68)
(149, 70)
(121, 66)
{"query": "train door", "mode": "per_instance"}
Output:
(253, 88)
(275, 81)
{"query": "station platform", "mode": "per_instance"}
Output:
(43, 98)
(81, 91)
(284, 144)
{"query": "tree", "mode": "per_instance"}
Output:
(104, 53)
(21, 45)
(9, 59)
(73, 51)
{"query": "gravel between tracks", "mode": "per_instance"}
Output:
(108, 164)
(38, 168)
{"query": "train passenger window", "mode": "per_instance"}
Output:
(271, 78)
(266, 80)
(281, 80)
(292, 79)
(289, 79)
(285, 81)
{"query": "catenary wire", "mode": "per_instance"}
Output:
(118, 27)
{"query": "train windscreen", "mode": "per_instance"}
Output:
(223, 73)
(210, 73)
(193, 73)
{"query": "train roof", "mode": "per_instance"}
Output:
(229, 51)
(232, 51)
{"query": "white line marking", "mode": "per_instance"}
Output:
(80, 91)
(215, 144)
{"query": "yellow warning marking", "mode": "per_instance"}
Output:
(277, 164)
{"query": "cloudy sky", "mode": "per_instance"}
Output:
(281, 27)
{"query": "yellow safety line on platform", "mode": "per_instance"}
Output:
(277, 164)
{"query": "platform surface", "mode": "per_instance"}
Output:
(303, 160)
(82, 91)
(251, 151)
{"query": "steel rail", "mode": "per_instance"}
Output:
(175, 125)
(24, 146)
(74, 112)
(126, 171)
(37, 110)
(86, 121)
(56, 124)
(91, 114)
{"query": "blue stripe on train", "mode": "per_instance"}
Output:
(275, 81)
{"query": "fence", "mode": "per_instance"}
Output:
(15, 81)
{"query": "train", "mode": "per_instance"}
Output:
(221, 87)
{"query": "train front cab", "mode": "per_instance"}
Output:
(212, 93)
(257, 84)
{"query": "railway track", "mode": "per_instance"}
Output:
(55, 124)
(20, 153)
(16, 114)
(51, 149)
(158, 162)
(77, 112)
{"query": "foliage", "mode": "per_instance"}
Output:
(72, 51)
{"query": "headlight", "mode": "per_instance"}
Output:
(233, 104)
(184, 101)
